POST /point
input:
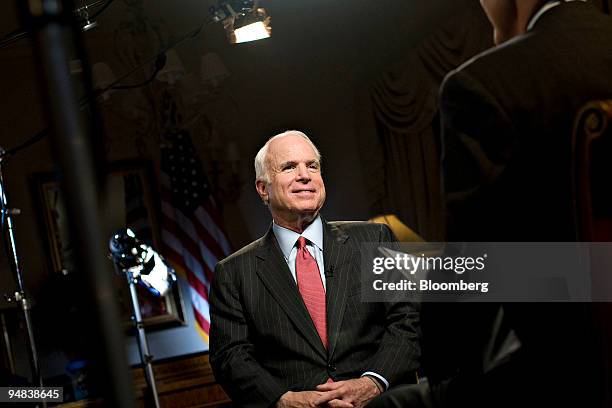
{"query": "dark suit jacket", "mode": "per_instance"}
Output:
(507, 121)
(262, 339)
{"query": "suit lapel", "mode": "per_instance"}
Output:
(276, 276)
(338, 259)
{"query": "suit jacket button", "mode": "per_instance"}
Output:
(331, 367)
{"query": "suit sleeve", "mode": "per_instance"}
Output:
(478, 137)
(246, 382)
(478, 141)
(397, 357)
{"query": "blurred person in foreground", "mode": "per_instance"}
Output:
(507, 120)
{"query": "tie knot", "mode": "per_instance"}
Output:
(301, 243)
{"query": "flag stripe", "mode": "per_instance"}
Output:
(197, 286)
(204, 324)
(184, 245)
(199, 302)
(211, 208)
(188, 262)
(202, 240)
(192, 232)
(201, 333)
(198, 231)
(213, 228)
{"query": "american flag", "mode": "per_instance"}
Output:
(192, 233)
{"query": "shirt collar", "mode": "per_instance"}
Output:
(287, 238)
(544, 9)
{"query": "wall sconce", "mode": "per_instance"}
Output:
(173, 70)
(227, 184)
(213, 70)
(103, 76)
(203, 109)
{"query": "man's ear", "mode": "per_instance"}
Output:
(262, 190)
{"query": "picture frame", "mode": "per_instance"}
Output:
(129, 200)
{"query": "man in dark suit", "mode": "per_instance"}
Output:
(288, 327)
(507, 119)
(506, 134)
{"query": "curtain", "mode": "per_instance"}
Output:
(404, 170)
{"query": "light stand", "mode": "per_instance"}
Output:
(141, 264)
(143, 346)
(19, 295)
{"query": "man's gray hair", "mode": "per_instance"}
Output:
(261, 164)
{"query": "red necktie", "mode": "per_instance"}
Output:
(311, 288)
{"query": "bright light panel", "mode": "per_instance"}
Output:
(251, 32)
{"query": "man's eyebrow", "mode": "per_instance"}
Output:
(287, 163)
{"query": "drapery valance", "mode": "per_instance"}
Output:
(405, 178)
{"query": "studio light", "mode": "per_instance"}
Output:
(141, 261)
(141, 264)
(103, 77)
(87, 23)
(173, 70)
(212, 70)
(243, 20)
(252, 26)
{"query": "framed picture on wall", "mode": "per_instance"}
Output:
(130, 200)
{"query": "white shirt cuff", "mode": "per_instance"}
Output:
(378, 377)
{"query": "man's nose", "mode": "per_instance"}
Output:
(302, 173)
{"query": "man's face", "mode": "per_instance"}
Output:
(501, 14)
(296, 190)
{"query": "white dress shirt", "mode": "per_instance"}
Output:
(314, 244)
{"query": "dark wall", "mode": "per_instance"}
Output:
(308, 76)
